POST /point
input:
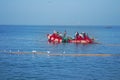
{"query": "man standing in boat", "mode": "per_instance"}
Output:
(64, 38)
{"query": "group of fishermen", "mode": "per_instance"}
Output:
(64, 38)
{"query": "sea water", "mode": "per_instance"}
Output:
(16, 38)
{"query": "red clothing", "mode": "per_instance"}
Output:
(87, 39)
(79, 38)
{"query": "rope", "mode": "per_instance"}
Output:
(65, 54)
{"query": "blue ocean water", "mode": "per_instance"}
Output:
(41, 67)
(28, 38)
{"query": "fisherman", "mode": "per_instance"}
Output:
(76, 35)
(83, 34)
(64, 38)
(86, 37)
(64, 35)
(80, 36)
(60, 34)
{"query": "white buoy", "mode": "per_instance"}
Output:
(48, 51)
(34, 51)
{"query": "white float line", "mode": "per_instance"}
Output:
(66, 54)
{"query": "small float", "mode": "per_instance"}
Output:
(82, 38)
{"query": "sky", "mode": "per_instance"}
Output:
(59, 12)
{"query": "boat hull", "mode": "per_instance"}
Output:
(60, 40)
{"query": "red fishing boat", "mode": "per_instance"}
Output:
(56, 38)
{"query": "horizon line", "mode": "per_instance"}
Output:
(55, 25)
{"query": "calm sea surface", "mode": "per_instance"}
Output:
(43, 67)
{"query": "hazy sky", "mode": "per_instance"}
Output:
(60, 12)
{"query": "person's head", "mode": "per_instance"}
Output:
(57, 32)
